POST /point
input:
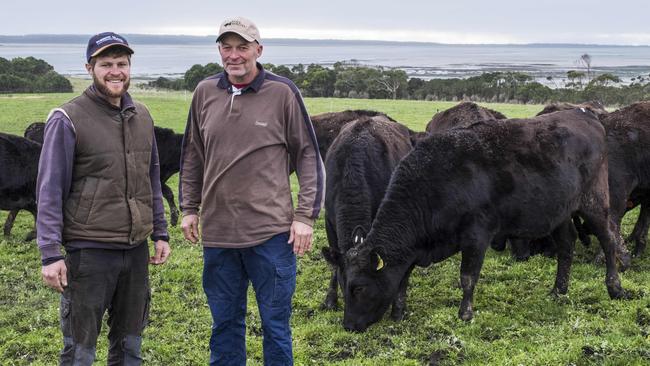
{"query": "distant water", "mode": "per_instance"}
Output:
(423, 60)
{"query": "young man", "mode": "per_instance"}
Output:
(247, 130)
(99, 196)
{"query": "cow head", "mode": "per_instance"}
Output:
(371, 286)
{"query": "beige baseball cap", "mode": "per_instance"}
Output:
(242, 26)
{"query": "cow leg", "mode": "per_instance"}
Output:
(470, 268)
(399, 305)
(594, 211)
(520, 249)
(169, 197)
(32, 234)
(640, 233)
(331, 299)
(621, 253)
(9, 222)
(564, 237)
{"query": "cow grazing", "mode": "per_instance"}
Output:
(19, 161)
(461, 115)
(359, 165)
(457, 191)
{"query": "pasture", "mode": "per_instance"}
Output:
(516, 321)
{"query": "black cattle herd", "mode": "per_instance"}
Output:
(397, 198)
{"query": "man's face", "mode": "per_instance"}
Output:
(111, 75)
(239, 58)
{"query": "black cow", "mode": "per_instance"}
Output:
(628, 143)
(169, 154)
(461, 115)
(33, 132)
(457, 191)
(359, 165)
(19, 163)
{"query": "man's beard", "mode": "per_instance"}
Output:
(108, 92)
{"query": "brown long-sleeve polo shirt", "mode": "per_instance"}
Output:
(239, 150)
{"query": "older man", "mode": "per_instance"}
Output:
(247, 130)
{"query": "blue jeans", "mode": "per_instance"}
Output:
(271, 268)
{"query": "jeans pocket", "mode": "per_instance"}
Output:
(285, 285)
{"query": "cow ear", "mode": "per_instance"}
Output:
(359, 235)
(331, 256)
(376, 261)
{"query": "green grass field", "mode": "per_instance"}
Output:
(516, 321)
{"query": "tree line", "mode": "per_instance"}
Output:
(31, 75)
(349, 80)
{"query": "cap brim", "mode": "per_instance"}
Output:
(244, 36)
(101, 49)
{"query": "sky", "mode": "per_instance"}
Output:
(622, 22)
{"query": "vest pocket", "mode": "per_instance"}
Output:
(86, 200)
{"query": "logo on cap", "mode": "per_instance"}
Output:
(109, 38)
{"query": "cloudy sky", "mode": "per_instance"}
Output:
(451, 21)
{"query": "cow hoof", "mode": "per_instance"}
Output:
(619, 294)
(638, 251)
(557, 293)
(329, 305)
(521, 258)
(30, 236)
(397, 314)
(466, 315)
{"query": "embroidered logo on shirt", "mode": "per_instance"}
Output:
(261, 123)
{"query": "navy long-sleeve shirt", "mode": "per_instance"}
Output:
(54, 182)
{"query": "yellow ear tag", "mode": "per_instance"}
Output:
(380, 262)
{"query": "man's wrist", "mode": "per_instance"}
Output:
(48, 261)
(163, 237)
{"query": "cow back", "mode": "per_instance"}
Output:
(461, 115)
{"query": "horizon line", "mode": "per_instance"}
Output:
(341, 40)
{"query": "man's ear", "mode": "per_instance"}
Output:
(89, 69)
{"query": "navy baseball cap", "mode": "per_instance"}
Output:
(100, 42)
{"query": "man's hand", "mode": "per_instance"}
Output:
(190, 227)
(162, 252)
(55, 275)
(300, 236)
